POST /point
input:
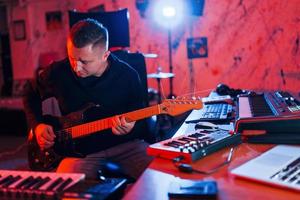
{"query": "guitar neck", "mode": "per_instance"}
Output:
(102, 124)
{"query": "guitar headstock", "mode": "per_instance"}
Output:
(175, 107)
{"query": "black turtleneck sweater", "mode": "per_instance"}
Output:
(117, 90)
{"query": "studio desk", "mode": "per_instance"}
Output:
(154, 182)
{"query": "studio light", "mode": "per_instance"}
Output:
(169, 13)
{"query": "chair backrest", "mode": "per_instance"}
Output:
(116, 22)
(136, 61)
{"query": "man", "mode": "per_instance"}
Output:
(91, 74)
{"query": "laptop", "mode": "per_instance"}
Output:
(278, 166)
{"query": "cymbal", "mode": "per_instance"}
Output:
(150, 55)
(160, 75)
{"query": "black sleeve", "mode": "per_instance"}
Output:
(35, 92)
(136, 94)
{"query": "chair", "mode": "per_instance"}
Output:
(137, 61)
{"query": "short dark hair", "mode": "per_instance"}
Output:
(88, 31)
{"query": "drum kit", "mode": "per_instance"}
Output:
(158, 76)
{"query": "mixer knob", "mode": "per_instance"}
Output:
(195, 146)
(181, 148)
(185, 150)
(191, 150)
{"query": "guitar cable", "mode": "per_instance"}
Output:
(183, 167)
(13, 152)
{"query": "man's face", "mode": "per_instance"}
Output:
(88, 60)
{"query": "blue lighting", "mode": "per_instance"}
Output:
(169, 13)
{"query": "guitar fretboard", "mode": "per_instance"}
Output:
(102, 124)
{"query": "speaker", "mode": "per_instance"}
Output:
(196, 7)
(6, 90)
(13, 122)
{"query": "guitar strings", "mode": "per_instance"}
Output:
(201, 93)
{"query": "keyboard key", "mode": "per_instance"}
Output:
(54, 184)
(11, 181)
(41, 183)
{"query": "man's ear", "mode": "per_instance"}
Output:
(106, 54)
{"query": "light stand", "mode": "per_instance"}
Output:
(169, 14)
(171, 94)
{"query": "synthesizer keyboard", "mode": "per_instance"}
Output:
(272, 112)
(218, 113)
(35, 185)
(193, 146)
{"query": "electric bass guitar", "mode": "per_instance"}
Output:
(48, 159)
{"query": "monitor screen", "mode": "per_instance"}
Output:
(116, 22)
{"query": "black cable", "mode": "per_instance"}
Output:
(13, 152)
(183, 167)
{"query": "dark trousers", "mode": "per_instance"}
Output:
(130, 156)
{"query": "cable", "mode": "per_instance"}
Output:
(183, 167)
(10, 153)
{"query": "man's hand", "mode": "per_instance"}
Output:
(120, 126)
(44, 136)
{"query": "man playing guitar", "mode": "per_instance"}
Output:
(90, 75)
